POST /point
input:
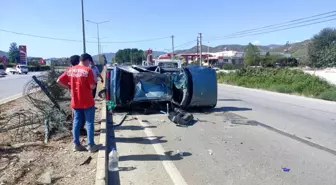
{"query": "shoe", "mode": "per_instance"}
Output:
(79, 148)
(93, 148)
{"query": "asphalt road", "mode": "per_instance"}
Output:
(12, 85)
(251, 137)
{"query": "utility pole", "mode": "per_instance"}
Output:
(208, 52)
(131, 57)
(200, 38)
(98, 23)
(197, 47)
(83, 28)
(172, 57)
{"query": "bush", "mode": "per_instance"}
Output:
(11, 64)
(38, 68)
(281, 80)
(329, 94)
(286, 62)
(228, 66)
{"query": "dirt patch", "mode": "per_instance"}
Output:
(34, 161)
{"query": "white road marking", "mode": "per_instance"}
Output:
(169, 166)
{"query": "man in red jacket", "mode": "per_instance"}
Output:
(80, 80)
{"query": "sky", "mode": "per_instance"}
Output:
(131, 20)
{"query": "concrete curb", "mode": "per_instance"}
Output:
(100, 171)
(11, 98)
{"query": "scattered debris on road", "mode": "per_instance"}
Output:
(181, 117)
(87, 161)
(210, 152)
(286, 169)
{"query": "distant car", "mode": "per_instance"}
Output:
(2, 70)
(18, 69)
(167, 63)
(192, 86)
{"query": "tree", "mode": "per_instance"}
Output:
(252, 55)
(322, 49)
(14, 53)
(268, 60)
(132, 56)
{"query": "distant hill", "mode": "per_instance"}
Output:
(107, 55)
(158, 53)
(110, 55)
(3, 53)
(299, 49)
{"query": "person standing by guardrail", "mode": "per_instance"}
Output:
(74, 60)
(96, 74)
(81, 80)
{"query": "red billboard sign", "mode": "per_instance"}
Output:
(23, 54)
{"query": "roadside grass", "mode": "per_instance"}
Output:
(281, 80)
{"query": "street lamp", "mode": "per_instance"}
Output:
(97, 23)
(83, 27)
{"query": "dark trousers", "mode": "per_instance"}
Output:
(94, 92)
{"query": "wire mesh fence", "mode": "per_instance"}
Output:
(45, 111)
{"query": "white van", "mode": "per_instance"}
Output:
(166, 63)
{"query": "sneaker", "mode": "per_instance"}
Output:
(79, 148)
(93, 148)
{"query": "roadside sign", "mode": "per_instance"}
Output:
(23, 54)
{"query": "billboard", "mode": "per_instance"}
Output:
(23, 54)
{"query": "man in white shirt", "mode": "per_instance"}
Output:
(96, 74)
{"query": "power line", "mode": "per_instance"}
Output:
(276, 30)
(38, 36)
(278, 25)
(185, 44)
(135, 41)
(281, 26)
(72, 40)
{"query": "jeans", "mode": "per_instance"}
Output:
(89, 115)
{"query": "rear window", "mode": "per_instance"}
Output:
(168, 64)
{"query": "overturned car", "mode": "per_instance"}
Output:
(187, 87)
